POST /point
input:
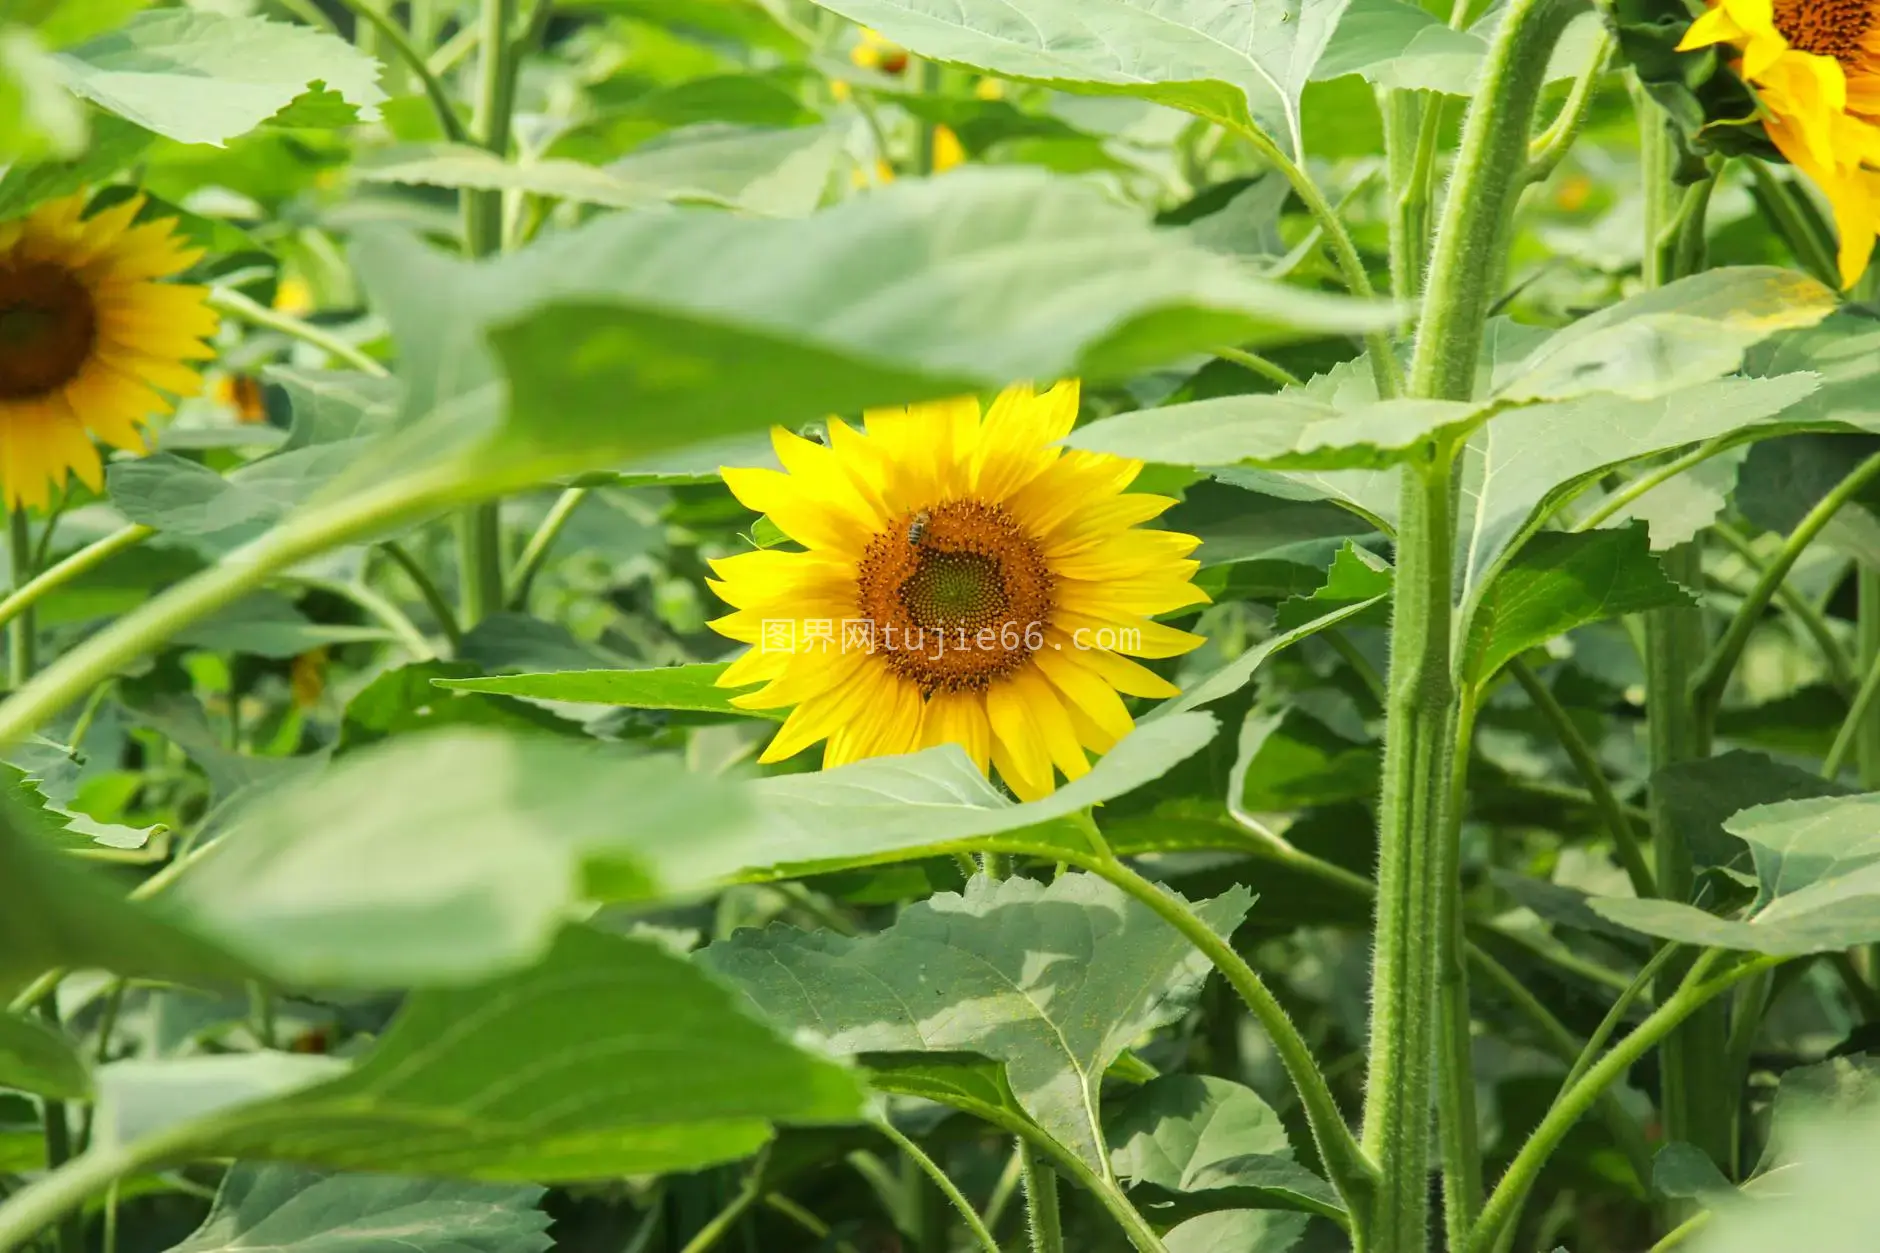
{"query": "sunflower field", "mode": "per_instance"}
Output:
(940, 626)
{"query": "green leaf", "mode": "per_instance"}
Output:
(36, 1058)
(1676, 510)
(114, 144)
(1055, 981)
(37, 118)
(1193, 1145)
(445, 856)
(1237, 64)
(1558, 581)
(1356, 575)
(204, 78)
(60, 22)
(1393, 43)
(783, 171)
(1670, 337)
(678, 327)
(1844, 350)
(218, 513)
(267, 624)
(690, 687)
(1822, 1200)
(406, 699)
(284, 1209)
(1237, 673)
(1685, 1172)
(1702, 796)
(566, 1075)
(1279, 431)
(1818, 864)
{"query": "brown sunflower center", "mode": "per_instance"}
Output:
(957, 595)
(1829, 28)
(47, 328)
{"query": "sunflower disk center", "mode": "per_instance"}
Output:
(957, 595)
(47, 329)
(1829, 28)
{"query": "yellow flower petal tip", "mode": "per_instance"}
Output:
(1815, 65)
(89, 337)
(963, 580)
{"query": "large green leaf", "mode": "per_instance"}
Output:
(1822, 1199)
(1558, 581)
(1055, 981)
(935, 802)
(204, 78)
(284, 1209)
(1283, 431)
(1211, 1158)
(1702, 796)
(37, 1058)
(643, 332)
(1223, 59)
(691, 688)
(612, 1057)
(1818, 864)
(442, 857)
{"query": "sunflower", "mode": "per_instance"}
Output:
(87, 334)
(1815, 65)
(962, 580)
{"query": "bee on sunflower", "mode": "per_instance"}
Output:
(962, 580)
(89, 338)
(1815, 68)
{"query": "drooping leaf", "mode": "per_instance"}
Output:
(284, 1209)
(203, 78)
(611, 1057)
(445, 856)
(1229, 62)
(689, 687)
(1558, 581)
(36, 1058)
(1818, 864)
(1702, 796)
(1055, 981)
(1281, 431)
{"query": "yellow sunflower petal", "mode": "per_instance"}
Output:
(1127, 677)
(1018, 748)
(958, 718)
(1085, 689)
(889, 726)
(797, 512)
(1045, 711)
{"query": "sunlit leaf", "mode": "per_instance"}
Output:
(1281, 431)
(692, 688)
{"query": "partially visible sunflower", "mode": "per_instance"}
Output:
(963, 580)
(1815, 65)
(87, 336)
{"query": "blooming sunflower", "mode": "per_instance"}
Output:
(87, 334)
(962, 580)
(1815, 65)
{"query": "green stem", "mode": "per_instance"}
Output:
(1273, 371)
(59, 1193)
(85, 560)
(1793, 603)
(1624, 840)
(1041, 1204)
(1683, 1231)
(941, 1180)
(1344, 251)
(1656, 153)
(926, 79)
(1345, 1164)
(1006, 1188)
(54, 1118)
(479, 563)
(1405, 114)
(1456, 1119)
(1708, 685)
(1647, 975)
(1652, 478)
(522, 578)
(241, 308)
(414, 61)
(1551, 145)
(23, 628)
(1867, 737)
(1688, 230)
(389, 615)
(1798, 223)
(725, 1219)
(434, 599)
(1697, 990)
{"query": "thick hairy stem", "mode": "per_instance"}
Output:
(1041, 1203)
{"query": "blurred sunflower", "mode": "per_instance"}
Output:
(963, 580)
(1815, 65)
(87, 334)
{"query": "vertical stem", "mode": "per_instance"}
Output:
(1867, 733)
(1403, 113)
(479, 529)
(1416, 871)
(23, 628)
(1455, 1071)
(1041, 1201)
(69, 1236)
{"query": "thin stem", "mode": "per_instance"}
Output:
(434, 599)
(1616, 1015)
(725, 1219)
(81, 562)
(54, 1118)
(1683, 1231)
(1345, 1164)
(241, 308)
(522, 577)
(389, 615)
(1455, 1066)
(22, 629)
(1688, 230)
(1857, 727)
(1551, 145)
(1344, 251)
(415, 62)
(1624, 840)
(941, 1180)
(1797, 222)
(1272, 371)
(107, 1026)
(1652, 478)
(1697, 990)
(1867, 737)
(1707, 687)
(1006, 1188)
(1797, 606)
(1041, 1203)
(58, 1193)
